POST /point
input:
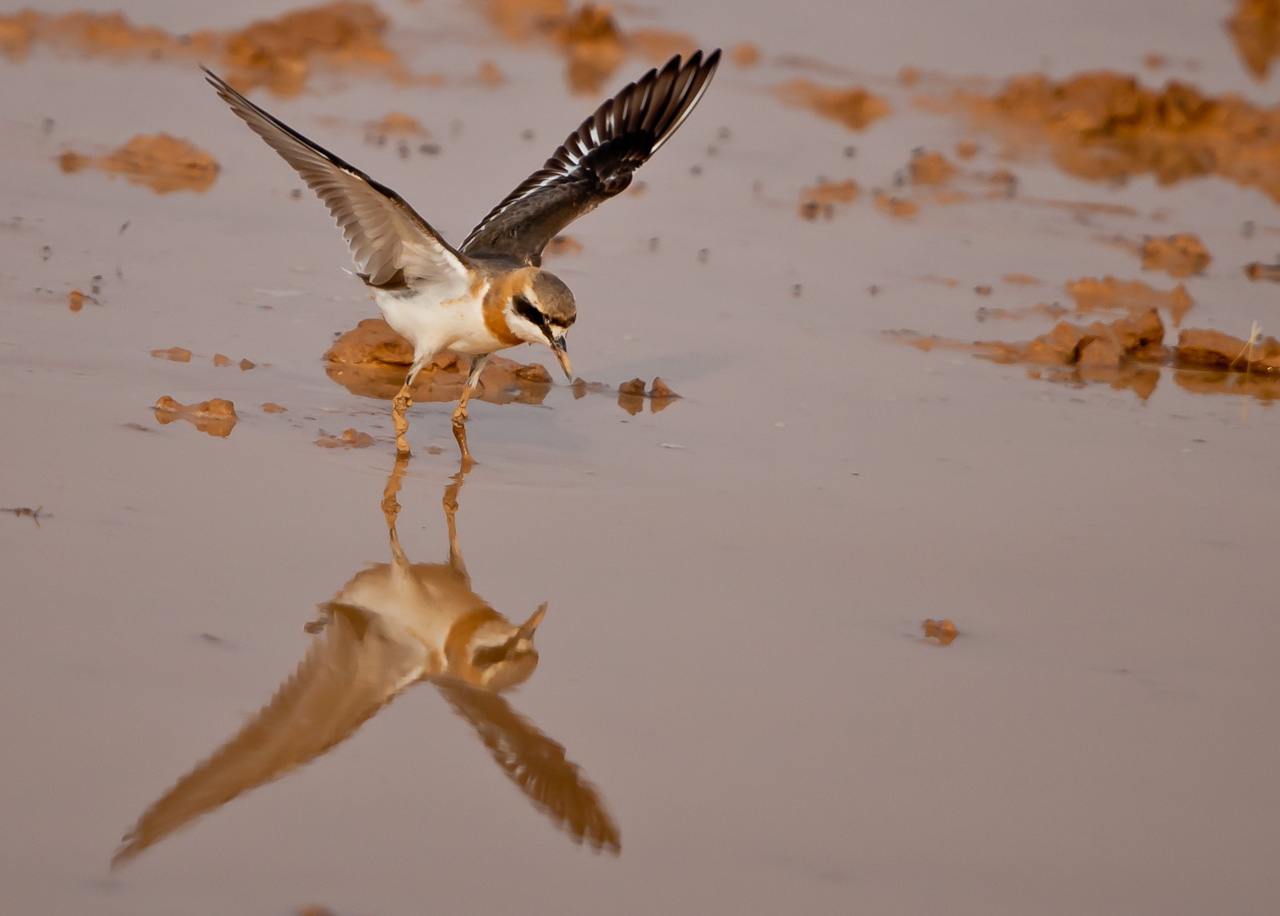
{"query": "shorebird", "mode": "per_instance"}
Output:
(489, 293)
(392, 626)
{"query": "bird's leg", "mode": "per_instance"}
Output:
(403, 400)
(460, 413)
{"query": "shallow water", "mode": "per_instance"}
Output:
(732, 651)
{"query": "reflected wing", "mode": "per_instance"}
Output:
(537, 765)
(351, 671)
(595, 162)
(393, 246)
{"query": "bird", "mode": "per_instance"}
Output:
(394, 625)
(490, 292)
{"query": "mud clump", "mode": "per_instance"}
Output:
(277, 53)
(75, 300)
(820, 200)
(1105, 126)
(1256, 270)
(1255, 29)
(944, 631)
(160, 162)
(1215, 350)
(395, 123)
(1180, 255)
(371, 361)
(745, 54)
(589, 39)
(897, 207)
(350, 438)
(854, 107)
(217, 416)
(930, 168)
(272, 407)
(1135, 297)
(177, 354)
(1128, 353)
(563, 244)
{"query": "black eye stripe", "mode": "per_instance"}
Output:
(525, 309)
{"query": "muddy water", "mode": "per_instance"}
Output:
(731, 670)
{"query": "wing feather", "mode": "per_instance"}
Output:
(385, 234)
(595, 162)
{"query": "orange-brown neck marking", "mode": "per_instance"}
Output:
(495, 303)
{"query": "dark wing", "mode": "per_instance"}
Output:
(393, 246)
(351, 671)
(595, 162)
(536, 764)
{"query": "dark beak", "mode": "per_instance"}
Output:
(559, 347)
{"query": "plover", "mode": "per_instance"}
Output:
(489, 293)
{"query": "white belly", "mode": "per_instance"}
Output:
(432, 325)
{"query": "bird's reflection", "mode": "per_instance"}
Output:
(392, 626)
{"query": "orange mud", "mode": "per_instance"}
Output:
(1256, 270)
(1128, 352)
(821, 199)
(1021, 280)
(944, 631)
(277, 53)
(177, 354)
(745, 54)
(631, 395)
(1105, 126)
(563, 244)
(931, 168)
(75, 300)
(898, 207)
(217, 417)
(1134, 297)
(490, 74)
(161, 162)
(966, 149)
(1180, 255)
(371, 359)
(1255, 29)
(350, 438)
(855, 107)
(590, 39)
(272, 407)
(396, 122)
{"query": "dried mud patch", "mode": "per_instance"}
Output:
(1129, 353)
(854, 107)
(160, 162)
(1106, 126)
(278, 53)
(589, 38)
(1254, 27)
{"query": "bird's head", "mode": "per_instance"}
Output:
(500, 655)
(542, 310)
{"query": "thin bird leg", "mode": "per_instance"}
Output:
(403, 400)
(460, 413)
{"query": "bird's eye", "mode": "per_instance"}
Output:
(524, 308)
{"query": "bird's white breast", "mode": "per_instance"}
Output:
(432, 324)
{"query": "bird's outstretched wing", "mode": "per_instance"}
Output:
(351, 671)
(393, 246)
(595, 162)
(536, 764)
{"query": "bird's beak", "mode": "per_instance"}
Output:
(558, 347)
(526, 631)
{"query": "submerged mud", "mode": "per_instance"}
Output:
(217, 416)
